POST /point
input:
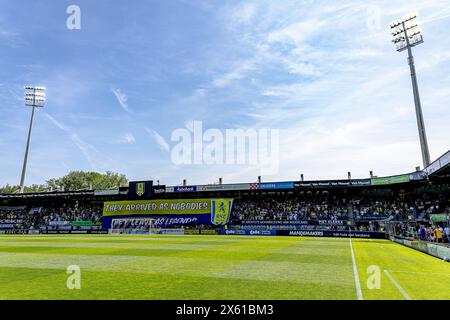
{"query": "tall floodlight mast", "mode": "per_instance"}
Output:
(407, 35)
(34, 98)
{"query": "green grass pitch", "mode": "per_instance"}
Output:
(216, 267)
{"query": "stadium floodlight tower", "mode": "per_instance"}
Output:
(407, 35)
(34, 98)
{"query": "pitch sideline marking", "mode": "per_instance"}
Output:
(355, 272)
(402, 291)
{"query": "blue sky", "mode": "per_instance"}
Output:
(324, 74)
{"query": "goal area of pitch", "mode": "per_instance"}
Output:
(134, 226)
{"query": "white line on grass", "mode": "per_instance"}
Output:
(403, 292)
(421, 272)
(355, 272)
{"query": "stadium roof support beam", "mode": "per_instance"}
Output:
(34, 98)
(407, 35)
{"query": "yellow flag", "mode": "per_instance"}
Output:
(220, 211)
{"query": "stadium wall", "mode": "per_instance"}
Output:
(436, 250)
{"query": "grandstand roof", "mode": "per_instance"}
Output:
(438, 169)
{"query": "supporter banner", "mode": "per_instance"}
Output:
(158, 207)
(156, 221)
(276, 185)
(221, 211)
(171, 212)
(390, 180)
(332, 183)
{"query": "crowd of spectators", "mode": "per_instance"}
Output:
(397, 209)
(335, 209)
(439, 233)
(305, 212)
(49, 215)
(290, 209)
(85, 212)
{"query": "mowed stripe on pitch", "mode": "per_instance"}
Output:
(326, 268)
(199, 248)
(186, 257)
(141, 238)
(212, 267)
(207, 263)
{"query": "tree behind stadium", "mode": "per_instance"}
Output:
(75, 180)
(80, 180)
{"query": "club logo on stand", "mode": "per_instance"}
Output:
(220, 211)
(140, 189)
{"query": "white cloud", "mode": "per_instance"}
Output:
(127, 138)
(122, 98)
(237, 74)
(324, 73)
(159, 140)
(244, 14)
(85, 148)
(296, 33)
(56, 123)
(200, 92)
(328, 76)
